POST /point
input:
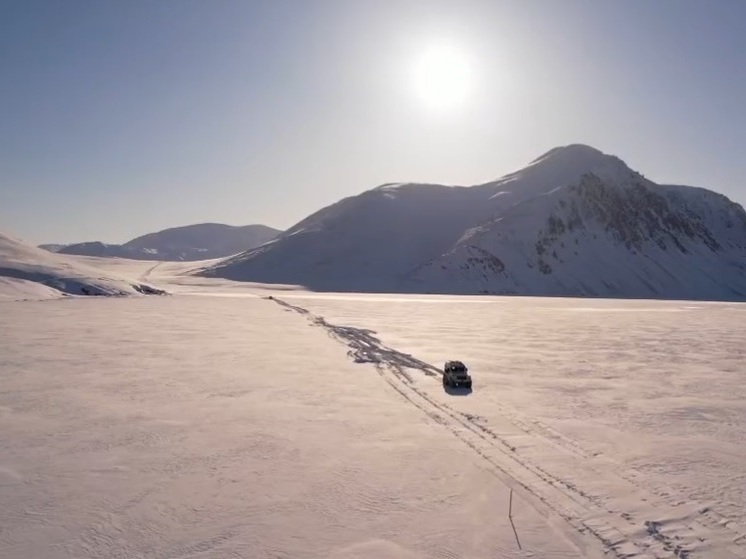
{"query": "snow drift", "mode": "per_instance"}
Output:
(574, 222)
(28, 272)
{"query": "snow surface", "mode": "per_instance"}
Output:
(29, 272)
(220, 422)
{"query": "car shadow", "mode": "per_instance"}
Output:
(457, 391)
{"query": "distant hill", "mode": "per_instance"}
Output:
(202, 241)
(51, 247)
(574, 222)
(30, 272)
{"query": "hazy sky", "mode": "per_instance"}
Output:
(119, 118)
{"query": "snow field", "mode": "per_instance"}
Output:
(229, 427)
(622, 417)
(221, 423)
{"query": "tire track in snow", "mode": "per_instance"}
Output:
(599, 516)
(149, 271)
(708, 516)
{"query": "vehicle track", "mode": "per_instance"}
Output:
(708, 516)
(661, 531)
(149, 271)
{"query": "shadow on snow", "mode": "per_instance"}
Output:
(457, 391)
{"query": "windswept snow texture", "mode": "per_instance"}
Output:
(575, 222)
(202, 241)
(28, 272)
(228, 421)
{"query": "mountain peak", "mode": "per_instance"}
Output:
(576, 152)
(575, 221)
(565, 165)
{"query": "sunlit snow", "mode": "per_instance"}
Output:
(240, 420)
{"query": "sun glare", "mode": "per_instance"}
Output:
(443, 77)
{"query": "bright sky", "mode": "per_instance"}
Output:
(124, 117)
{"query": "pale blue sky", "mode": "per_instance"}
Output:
(119, 118)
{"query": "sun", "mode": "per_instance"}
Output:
(442, 77)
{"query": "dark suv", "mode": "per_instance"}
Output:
(456, 374)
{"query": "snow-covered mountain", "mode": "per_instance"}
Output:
(202, 241)
(574, 222)
(30, 272)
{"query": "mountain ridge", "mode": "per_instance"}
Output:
(200, 241)
(403, 237)
(587, 245)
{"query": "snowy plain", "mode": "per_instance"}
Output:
(217, 422)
